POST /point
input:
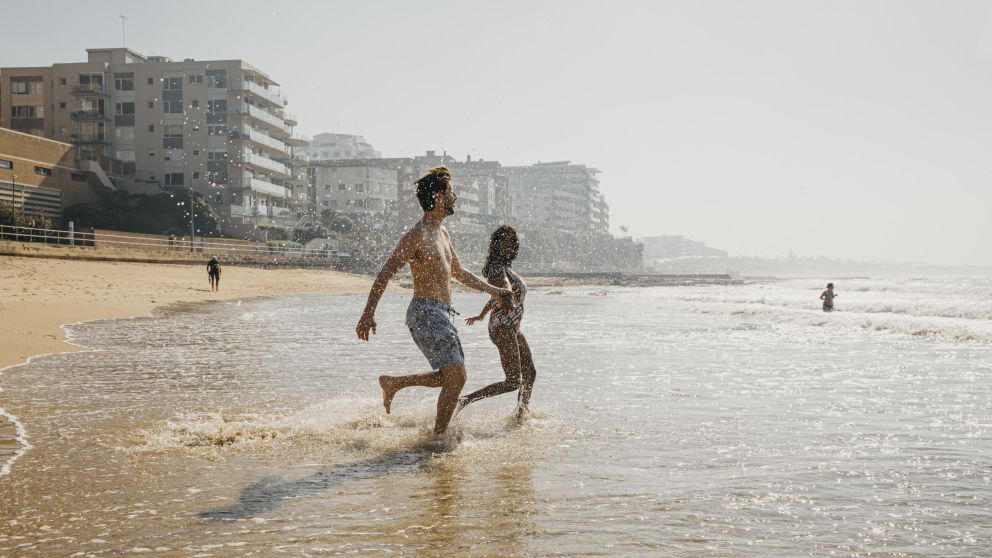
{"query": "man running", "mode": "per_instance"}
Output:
(427, 248)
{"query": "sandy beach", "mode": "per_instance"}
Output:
(39, 295)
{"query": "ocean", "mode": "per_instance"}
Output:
(670, 421)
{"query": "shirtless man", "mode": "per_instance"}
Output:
(427, 248)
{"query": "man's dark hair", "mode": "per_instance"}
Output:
(434, 182)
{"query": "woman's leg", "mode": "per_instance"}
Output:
(527, 370)
(505, 339)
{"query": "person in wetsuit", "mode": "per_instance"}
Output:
(213, 273)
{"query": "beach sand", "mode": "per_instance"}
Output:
(39, 295)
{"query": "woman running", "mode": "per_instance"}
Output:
(504, 323)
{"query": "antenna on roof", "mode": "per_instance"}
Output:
(124, 31)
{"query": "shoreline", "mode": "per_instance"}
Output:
(40, 296)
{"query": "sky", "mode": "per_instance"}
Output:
(854, 130)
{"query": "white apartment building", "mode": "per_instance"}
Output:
(559, 195)
(329, 147)
(218, 127)
(354, 187)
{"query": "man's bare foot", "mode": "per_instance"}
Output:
(388, 391)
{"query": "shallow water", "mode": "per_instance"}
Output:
(704, 421)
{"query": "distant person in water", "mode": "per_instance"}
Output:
(504, 323)
(430, 317)
(213, 273)
(828, 298)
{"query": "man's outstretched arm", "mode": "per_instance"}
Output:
(400, 256)
(473, 281)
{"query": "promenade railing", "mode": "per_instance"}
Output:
(179, 247)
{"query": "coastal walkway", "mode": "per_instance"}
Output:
(106, 245)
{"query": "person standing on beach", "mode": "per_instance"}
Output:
(828, 298)
(213, 273)
(504, 323)
(433, 263)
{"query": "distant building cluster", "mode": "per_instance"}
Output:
(668, 247)
(145, 124)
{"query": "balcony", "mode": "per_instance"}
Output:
(249, 134)
(88, 115)
(89, 138)
(89, 90)
(261, 92)
(273, 123)
(264, 187)
(264, 163)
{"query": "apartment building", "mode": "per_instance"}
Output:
(218, 127)
(558, 195)
(355, 187)
(329, 147)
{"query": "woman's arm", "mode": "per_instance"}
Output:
(485, 310)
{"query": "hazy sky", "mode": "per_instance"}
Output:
(845, 129)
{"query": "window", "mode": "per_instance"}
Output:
(194, 103)
(217, 155)
(25, 87)
(151, 104)
(196, 79)
(27, 112)
(216, 130)
(151, 81)
(219, 177)
(5, 164)
(123, 108)
(217, 78)
(327, 187)
(61, 105)
(196, 152)
(217, 106)
(172, 137)
(172, 83)
(151, 176)
(151, 127)
(342, 187)
(174, 179)
(124, 82)
(61, 81)
(196, 175)
(174, 107)
(43, 171)
(78, 177)
(361, 187)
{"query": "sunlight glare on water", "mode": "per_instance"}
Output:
(691, 421)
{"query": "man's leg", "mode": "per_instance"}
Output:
(451, 380)
(391, 384)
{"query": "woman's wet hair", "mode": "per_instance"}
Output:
(495, 258)
(434, 182)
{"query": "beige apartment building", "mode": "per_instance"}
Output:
(355, 187)
(218, 127)
(559, 195)
(328, 147)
